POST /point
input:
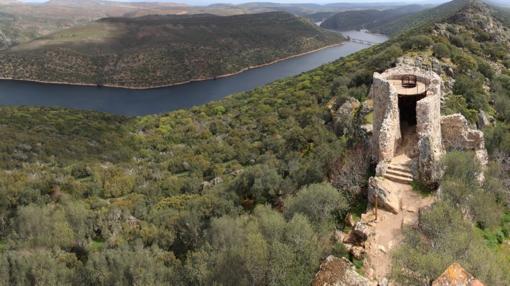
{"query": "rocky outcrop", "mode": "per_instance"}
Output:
(457, 135)
(387, 197)
(344, 117)
(455, 275)
(336, 271)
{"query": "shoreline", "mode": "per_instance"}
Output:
(178, 83)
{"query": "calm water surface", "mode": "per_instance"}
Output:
(142, 102)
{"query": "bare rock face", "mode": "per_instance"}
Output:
(387, 198)
(457, 135)
(483, 120)
(344, 117)
(336, 271)
(455, 275)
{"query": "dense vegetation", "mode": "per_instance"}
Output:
(394, 21)
(372, 20)
(154, 51)
(250, 188)
(21, 21)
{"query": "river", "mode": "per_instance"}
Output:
(152, 101)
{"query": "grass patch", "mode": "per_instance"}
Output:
(421, 188)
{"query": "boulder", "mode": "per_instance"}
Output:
(362, 230)
(458, 276)
(483, 120)
(358, 252)
(349, 220)
(359, 234)
(336, 271)
(387, 198)
(381, 168)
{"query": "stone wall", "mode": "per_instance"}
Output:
(386, 132)
(457, 135)
(428, 127)
(386, 129)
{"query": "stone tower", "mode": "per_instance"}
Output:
(407, 114)
(410, 135)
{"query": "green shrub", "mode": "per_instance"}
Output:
(471, 87)
(465, 63)
(441, 50)
(419, 42)
(319, 203)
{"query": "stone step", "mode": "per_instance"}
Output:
(400, 174)
(398, 179)
(401, 168)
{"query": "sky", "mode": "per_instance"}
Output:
(206, 2)
(203, 2)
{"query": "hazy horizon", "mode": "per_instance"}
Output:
(209, 2)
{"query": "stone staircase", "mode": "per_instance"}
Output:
(399, 173)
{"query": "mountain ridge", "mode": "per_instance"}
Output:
(175, 49)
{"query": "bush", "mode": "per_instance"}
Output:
(471, 87)
(457, 41)
(460, 166)
(444, 237)
(457, 104)
(441, 50)
(485, 69)
(258, 249)
(386, 58)
(320, 203)
(465, 62)
(420, 42)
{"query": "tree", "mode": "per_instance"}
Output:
(419, 42)
(320, 203)
(441, 50)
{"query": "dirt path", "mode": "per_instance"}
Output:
(388, 231)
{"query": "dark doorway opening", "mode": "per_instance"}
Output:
(407, 109)
(407, 112)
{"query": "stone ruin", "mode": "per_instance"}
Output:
(409, 134)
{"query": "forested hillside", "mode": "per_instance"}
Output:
(154, 51)
(249, 190)
(24, 21)
(368, 19)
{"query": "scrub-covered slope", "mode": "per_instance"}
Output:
(250, 190)
(368, 19)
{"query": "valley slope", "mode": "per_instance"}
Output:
(158, 50)
(373, 19)
(255, 188)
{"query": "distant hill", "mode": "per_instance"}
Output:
(162, 50)
(372, 19)
(21, 22)
(502, 14)
(502, 3)
(423, 18)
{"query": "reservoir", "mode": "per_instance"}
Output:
(152, 101)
